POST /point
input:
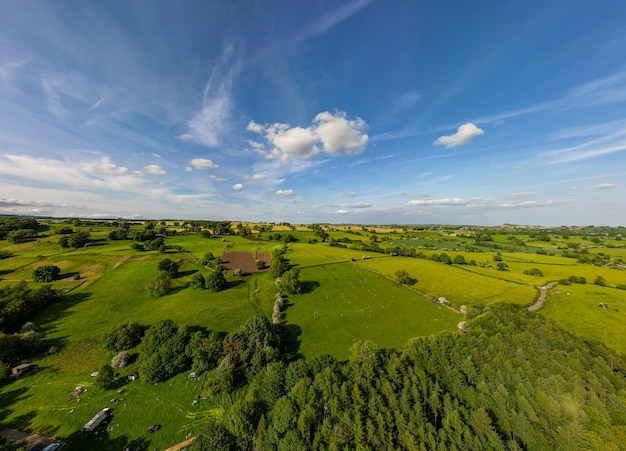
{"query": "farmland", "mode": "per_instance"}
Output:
(349, 293)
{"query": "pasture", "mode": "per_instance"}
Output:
(575, 307)
(453, 282)
(345, 298)
(343, 303)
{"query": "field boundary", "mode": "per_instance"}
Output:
(406, 286)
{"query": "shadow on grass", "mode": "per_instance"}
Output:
(290, 339)
(186, 273)
(4, 272)
(7, 399)
(49, 318)
(234, 283)
(308, 286)
(67, 275)
(83, 441)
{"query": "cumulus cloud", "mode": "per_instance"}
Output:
(338, 135)
(285, 192)
(154, 169)
(106, 167)
(237, 186)
(464, 135)
(256, 128)
(604, 186)
(256, 177)
(202, 163)
(292, 141)
(350, 194)
(333, 134)
(342, 212)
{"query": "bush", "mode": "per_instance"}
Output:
(125, 337)
(216, 281)
(120, 360)
(105, 377)
(403, 277)
(197, 281)
(160, 285)
(534, 272)
(46, 273)
(169, 266)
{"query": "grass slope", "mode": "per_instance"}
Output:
(353, 304)
(454, 283)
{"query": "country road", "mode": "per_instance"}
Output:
(542, 296)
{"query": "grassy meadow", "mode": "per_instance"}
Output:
(344, 303)
(345, 298)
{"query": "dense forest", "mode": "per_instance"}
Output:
(510, 380)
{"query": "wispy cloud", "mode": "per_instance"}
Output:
(604, 186)
(329, 20)
(285, 192)
(213, 120)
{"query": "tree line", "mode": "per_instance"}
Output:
(511, 381)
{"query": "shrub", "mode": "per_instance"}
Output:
(120, 360)
(46, 273)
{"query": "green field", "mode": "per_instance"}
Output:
(575, 307)
(452, 282)
(351, 303)
(348, 295)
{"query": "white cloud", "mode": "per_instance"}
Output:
(342, 212)
(154, 169)
(340, 136)
(292, 142)
(285, 192)
(256, 177)
(202, 163)
(217, 179)
(331, 133)
(106, 167)
(185, 137)
(209, 125)
(604, 186)
(256, 128)
(155, 155)
(441, 201)
(360, 205)
(350, 194)
(97, 104)
(523, 195)
(463, 136)
(188, 169)
(237, 186)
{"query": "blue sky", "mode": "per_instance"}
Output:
(355, 111)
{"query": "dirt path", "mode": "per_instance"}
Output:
(543, 292)
(181, 445)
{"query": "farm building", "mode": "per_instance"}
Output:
(133, 376)
(97, 420)
(23, 368)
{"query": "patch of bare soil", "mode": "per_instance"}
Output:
(239, 260)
